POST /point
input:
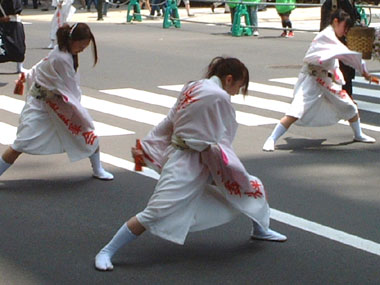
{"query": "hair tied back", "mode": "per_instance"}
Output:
(72, 30)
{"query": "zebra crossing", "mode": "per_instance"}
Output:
(269, 101)
(268, 97)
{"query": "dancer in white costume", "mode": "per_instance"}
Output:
(319, 99)
(53, 120)
(63, 13)
(203, 184)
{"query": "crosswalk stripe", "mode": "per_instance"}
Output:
(367, 106)
(142, 96)
(8, 133)
(243, 118)
(286, 218)
(359, 91)
(15, 106)
(122, 111)
(253, 86)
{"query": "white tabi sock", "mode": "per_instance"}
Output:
(359, 136)
(278, 131)
(120, 239)
(3, 166)
(260, 233)
(98, 170)
(356, 128)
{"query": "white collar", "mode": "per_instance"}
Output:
(217, 81)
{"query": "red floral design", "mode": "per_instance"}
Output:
(188, 98)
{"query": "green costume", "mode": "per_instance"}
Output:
(285, 9)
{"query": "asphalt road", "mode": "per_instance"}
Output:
(54, 217)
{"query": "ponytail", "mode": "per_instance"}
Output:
(223, 66)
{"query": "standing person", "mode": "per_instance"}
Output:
(203, 184)
(187, 7)
(252, 13)
(156, 6)
(319, 99)
(62, 15)
(53, 120)
(12, 27)
(284, 13)
(89, 2)
(328, 7)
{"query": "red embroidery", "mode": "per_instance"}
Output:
(52, 105)
(75, 129)
(89, 137)
(233, 187)
(342, 93)
(64, 119)
(257, 192)
(188, 98)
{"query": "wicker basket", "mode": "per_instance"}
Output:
(361, 39)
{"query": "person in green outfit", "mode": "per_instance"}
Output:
(252, 12)
(284, 12)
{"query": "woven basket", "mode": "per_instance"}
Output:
(361, 39)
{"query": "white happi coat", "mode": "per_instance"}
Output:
(59, 123)
(63, 13)
(203, 183)
(319, 99)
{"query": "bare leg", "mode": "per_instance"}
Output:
(10, 155)
(7, 159)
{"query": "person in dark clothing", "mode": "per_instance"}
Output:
(11, 26)
(348, 6)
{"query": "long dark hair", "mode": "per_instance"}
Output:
(342, 16)
(77, 32)
(223, 66)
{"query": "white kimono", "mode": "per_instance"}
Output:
(203, 183)
(63, 13)
(318, 96)
(58, 123)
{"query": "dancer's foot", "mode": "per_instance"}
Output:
(364, 139)
(269, 235)
(268, 145)
(102, 174)
(103, 261)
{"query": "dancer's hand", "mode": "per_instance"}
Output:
(136, 152)
(370, 77)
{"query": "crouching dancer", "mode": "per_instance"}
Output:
(203, 184)
(53, 119)
(319, 99)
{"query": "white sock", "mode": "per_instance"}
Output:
(260, 233)
(357, 129)
(3, 166)
(98, 169)
(278, 131)
(120, 239)
(20, 67)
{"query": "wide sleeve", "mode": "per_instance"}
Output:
(326, 46)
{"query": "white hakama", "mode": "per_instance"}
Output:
(57, 123)
(63, 13)
(318, 96)
(203, 183)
